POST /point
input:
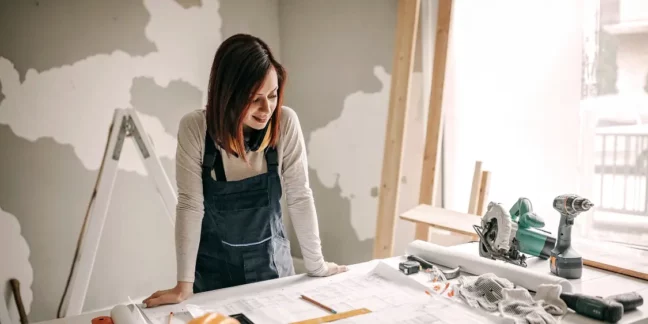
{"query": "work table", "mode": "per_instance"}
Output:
(593, 282)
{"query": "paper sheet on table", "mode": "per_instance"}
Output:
(134, 313)
(389, 294)
(160, 315)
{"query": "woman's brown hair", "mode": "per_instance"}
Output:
(240, 65)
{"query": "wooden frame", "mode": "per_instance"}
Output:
(403, 64)
(423, 215)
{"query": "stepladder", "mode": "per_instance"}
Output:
(125, 126)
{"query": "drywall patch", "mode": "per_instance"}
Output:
(63, 32)
(265, 25)
(336, 231)
(363, 120)
(71, 93)
(168, 103)
(189, 3)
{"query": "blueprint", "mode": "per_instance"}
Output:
(390, 296)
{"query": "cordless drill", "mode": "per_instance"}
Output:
(608, 309)
(564, 260)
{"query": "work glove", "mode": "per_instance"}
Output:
(524, 309)
(483, 291)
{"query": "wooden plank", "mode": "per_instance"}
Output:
(616, 269)
(435, 114)
(334, 317)
(476, 185)
(403, 64)
(483, 193)
(443, 219)
(613, 257)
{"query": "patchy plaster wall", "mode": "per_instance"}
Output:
(55, 110)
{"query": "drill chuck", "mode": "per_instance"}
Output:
(572, 204)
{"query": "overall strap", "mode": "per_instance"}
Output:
(272, 159)
(213, 159)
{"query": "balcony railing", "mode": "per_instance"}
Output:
(621, 169)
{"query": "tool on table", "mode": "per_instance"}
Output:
(329, 309)
(630, 301)
(509, 235)
(409, 267)
(170, 317)
(565, 261)
(448, 274)
(602, 309)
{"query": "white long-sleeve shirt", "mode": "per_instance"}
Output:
(293, 167)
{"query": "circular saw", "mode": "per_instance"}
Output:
(511, 235)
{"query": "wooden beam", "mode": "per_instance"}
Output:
(483, 193)
(403, 64)
(444, 219)
(475, 189)
(435, 114)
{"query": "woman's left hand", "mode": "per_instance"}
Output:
(333, 269)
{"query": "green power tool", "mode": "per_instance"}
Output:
(510, 235)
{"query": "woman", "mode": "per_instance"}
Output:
(233, 162)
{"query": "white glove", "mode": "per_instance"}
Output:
(550, 294)
(522, 308)
(484, 291)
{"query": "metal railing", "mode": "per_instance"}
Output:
(621, 171)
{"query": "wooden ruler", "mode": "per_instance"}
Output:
(334, 317)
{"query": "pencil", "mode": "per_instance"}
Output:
(319, 304)
(170, 316)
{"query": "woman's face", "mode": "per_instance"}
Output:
(263, 102)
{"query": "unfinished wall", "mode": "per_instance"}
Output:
(338, 55)
(64, 67)
(339, 58)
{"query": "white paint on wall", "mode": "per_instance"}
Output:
(348, 152)
(70, 103)
(14, 257)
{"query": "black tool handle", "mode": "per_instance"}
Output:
(629, 300)
(594, 307)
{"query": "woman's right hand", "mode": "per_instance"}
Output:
(174, 295)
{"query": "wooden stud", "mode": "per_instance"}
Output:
(435, 114)
(403, 64)
(483, 192)
(474, 191)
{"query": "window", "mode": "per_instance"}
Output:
(614, 120)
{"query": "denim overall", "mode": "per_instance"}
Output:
(242, 238)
